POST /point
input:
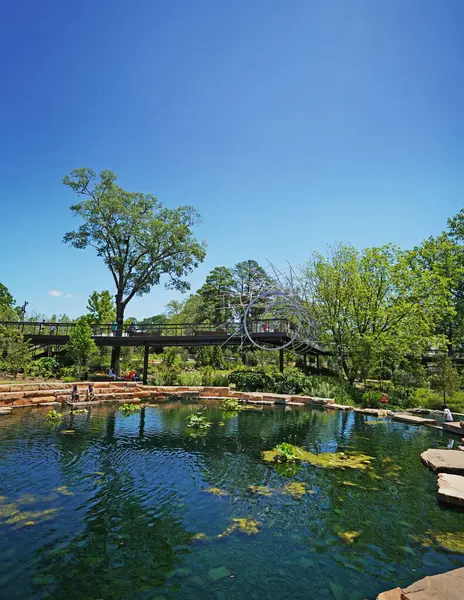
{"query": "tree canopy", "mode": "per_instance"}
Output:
(139, 239)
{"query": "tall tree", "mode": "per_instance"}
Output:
(139, 239)
(101, 307)
(81, 347)
(375, 305)
(216, 295)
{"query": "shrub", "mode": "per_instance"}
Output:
(45, 367)
(190, 378)
(207, 376)
(371, 399)
(221, 379)
(252, 381)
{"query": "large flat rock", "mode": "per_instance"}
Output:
(453, 427)
(404, 418)
(448, 586)
(451, 489)
(444, 461)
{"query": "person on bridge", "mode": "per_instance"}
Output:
(52, 330)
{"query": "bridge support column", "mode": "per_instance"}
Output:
(317, 362)
(281, 360)
(146, 349)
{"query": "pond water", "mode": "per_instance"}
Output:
(114, 509)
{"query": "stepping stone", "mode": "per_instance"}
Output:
(441, 460)
(413, 419)
(451, 489)
(454, 427)
(5, 410)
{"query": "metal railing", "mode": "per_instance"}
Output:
(46, 328)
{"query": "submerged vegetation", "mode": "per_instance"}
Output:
(129, 408)
(241, 525)
(287, 453)
(53, 416)
(198, 421)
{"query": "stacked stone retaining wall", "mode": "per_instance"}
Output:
(39, 394)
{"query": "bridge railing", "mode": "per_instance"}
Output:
(47, 328)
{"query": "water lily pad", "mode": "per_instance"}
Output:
(198, 537)
(67, 432)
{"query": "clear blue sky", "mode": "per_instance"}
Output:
(287, 124)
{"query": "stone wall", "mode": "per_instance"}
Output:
(39, 394)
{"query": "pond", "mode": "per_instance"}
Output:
(107, 506)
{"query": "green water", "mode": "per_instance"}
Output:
(111, 510)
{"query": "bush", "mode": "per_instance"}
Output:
(190, 378)
(247, 380)
(221, 379)
(371, 399)
(45, 367)
(207, 376)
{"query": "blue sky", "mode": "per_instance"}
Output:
(288, 125)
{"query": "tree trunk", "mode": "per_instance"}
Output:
(116, 351)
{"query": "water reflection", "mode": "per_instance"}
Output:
(132, 520)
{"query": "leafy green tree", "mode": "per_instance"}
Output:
(250, 280)
(81, 346)
(445, 378)
(16, 351)
(443, 258)
(375, 306)
(217, 296)
(217, 358)
(101, 307)
(204, 356)
(139, 240)
(7, 305)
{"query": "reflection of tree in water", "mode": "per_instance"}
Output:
(125, 548)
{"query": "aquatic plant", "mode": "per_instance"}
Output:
(361, 487)
(230, 404)
(67, 431)
(297, 489)
(261, 490)
(129, 408)
(199, 537)
(233, 405)
(198, 421)
(217, 491)
(63, 490)
(452, 541)
(348, 537)
(54, 416)
(329, 460)
(242, 525)
(80, 411)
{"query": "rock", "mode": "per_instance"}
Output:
(447, 586)
(405, 418)
(181, 573)
(390, 595)
(441, 460)
(451, 489)
(5, 410)
(337, 590)
(218, 573)
(197, 582)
